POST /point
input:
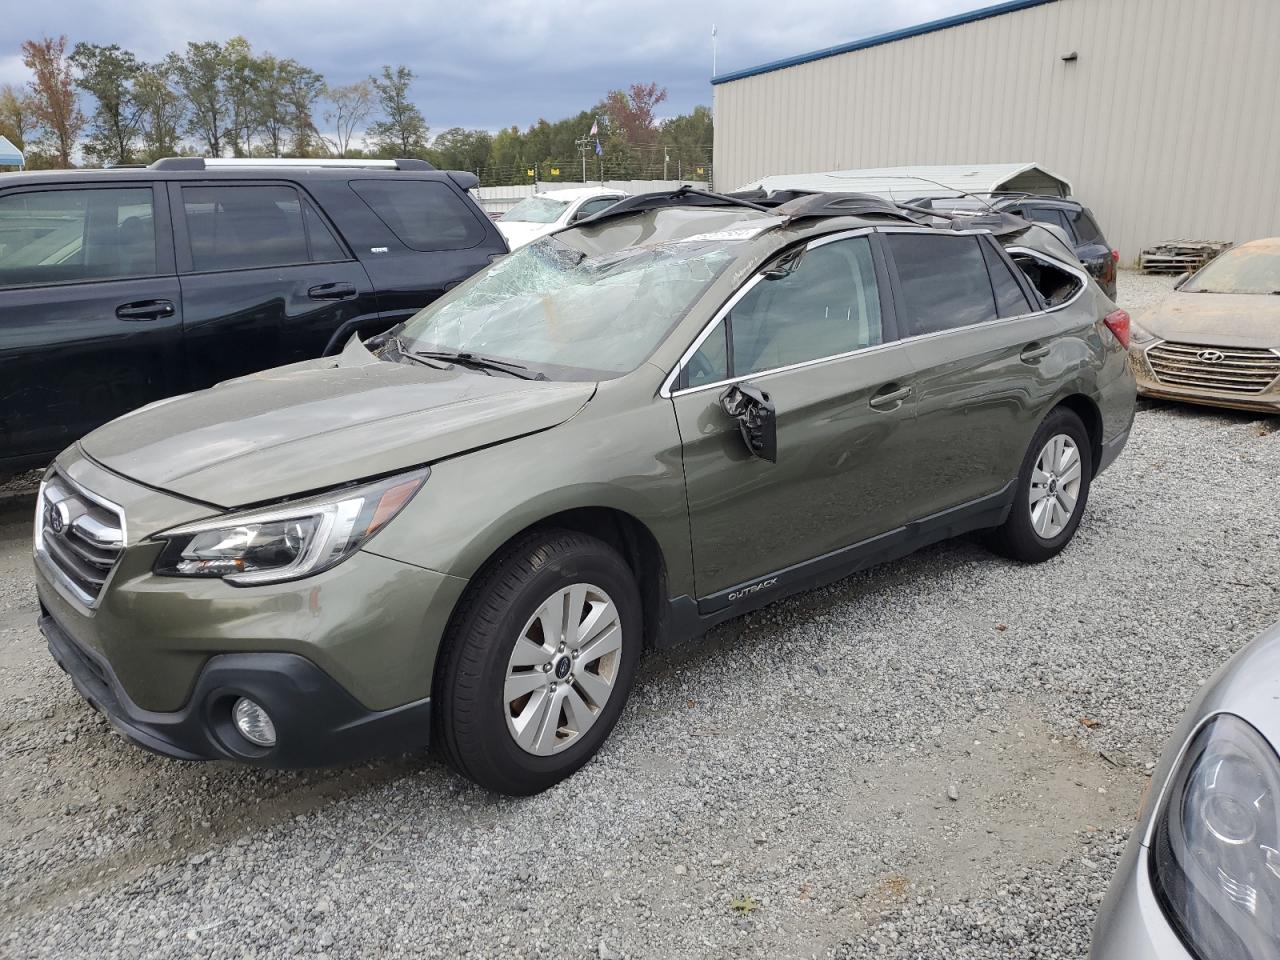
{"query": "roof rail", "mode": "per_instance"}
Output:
(200, 163)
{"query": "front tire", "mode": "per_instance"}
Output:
(537, 664)
(1051, 492)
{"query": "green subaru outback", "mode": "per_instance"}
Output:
(669, 414)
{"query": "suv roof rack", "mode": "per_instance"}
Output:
(200, 163)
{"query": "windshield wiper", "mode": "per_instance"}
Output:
(392, 342)
(478, 362)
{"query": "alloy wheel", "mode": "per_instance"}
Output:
(1055, 486)
(562, 669)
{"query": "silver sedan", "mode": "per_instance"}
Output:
(1200, 879)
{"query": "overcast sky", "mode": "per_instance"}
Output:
(482, 63)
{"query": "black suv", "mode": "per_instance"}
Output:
(1071, 216)
(123, 286)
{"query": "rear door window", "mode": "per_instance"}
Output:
(944, 282)
(60, 236)
(424, 215)
(245, 226)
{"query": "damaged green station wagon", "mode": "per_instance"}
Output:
(623, 434)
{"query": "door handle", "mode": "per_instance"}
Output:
(1034, 352)
(332, 291)
(145, 310)
(892, 398)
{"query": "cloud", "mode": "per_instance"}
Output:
(486, 64)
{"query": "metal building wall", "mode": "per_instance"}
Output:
(1168, 124)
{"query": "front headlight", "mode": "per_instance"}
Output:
(289, 541)
(1138, 333)
(1215, 854)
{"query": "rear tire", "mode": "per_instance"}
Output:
(1051, 492)
(537, 663)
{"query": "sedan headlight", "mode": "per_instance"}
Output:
(288, 541)
(1215, 854)
(1138, 333)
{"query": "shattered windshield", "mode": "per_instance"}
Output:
(570, 315)
(1248, 269)
(536, 210)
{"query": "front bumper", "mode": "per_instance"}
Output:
(318, 723)
(1131, 924)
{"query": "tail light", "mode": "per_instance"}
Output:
(1117, 322)
(1115, 256)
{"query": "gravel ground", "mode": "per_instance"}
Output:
(937, 758)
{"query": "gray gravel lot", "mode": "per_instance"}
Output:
(782, 789)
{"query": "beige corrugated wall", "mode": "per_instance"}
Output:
(1168, 124)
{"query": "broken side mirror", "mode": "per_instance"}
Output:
(757, 419)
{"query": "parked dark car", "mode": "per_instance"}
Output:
(1072, 217)
(124, 286)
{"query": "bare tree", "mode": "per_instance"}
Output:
(349, 108)
(53, 95)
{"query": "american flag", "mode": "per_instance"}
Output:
(595, 128)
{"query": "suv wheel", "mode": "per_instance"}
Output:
(538, 662)
(1052, 490)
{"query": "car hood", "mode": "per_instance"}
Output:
(518, 233)
(321, 424)
(1216, 319)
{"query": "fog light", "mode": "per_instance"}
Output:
(254, 723)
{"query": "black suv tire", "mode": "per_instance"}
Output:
(470, 711)
(1017, 537)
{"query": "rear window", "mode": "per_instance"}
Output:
(424, 215)
(1086, 228)
(944, 281)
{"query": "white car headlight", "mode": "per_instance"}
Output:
(1215, 853)
(288, 541)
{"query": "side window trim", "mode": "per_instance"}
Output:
(675, 383)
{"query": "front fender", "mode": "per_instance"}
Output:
(627, 460)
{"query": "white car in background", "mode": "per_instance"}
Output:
(545, 212)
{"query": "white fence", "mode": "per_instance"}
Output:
(501, 199)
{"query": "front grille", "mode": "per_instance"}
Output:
(1228, 369)
(80, 536)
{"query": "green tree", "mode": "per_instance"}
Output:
(461, 149)
(349, 108)
(199, 76)
(303, 88)
(53, 97)
(163, 112)
(242, 82)
(402, 131)
(108, 74)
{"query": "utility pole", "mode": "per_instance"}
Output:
(583, 144)
(713, 50)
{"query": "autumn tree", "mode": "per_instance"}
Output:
(53, 96)
(402, 131)
(631, 112)
(108, 75)
(17, 116)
